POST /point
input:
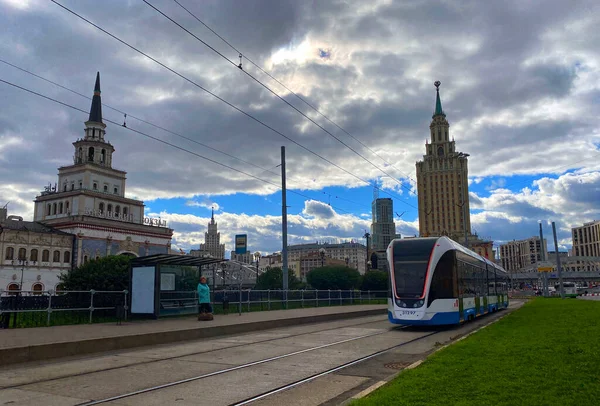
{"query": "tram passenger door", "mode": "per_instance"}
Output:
(458, 287)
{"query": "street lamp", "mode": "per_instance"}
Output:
(322, 255)
(23, 263)
(257, 258)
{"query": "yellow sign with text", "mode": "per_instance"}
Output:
(545, 269)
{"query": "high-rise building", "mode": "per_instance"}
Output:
(383, 228)
(586, 239)
(212, 242)
(89, 201)
(515, 255)
(442, 182)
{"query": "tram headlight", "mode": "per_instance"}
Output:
(402, 304)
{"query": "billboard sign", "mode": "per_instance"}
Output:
(241, 243)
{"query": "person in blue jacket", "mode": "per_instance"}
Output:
(204, 297)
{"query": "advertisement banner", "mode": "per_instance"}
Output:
(241, 243)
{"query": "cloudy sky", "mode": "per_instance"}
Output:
(520, 87)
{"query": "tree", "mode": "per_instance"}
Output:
(375, 280)
(272, 279)
(107, 273)
(334, 277)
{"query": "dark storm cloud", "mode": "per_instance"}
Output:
(495, 60)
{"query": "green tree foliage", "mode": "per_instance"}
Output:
(334, 277)
(375, 280)
(107, 273)
(272, 279)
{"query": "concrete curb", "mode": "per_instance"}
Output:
(415, 364)
(40, 352)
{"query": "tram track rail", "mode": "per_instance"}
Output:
(175, 357)
(271, 359)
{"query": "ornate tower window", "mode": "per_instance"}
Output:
(91, 154)
(103, 156)
(101, 207)
(440, 151)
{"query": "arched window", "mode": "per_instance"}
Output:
(37, 288)
(91, 154)
(109, 208)
(116, 190)
(103, 156)
(10, 253)
(13, 288)
(101, 207)
(80, 155)
(67, 257)
(118, 209)
(33, 255)
(60, 208)
(56, 256)
(22, 254)
(95, 186)
(125, 211)
(72, 186)
(59, 288)
(45, 256)
(85, 259)
(80, 185)
(65, 187)
(67, 206)
(105, 188)
(49, 209)
(53, 208)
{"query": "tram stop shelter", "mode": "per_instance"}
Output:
(165, 284)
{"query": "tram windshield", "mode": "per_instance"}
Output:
(411, 258)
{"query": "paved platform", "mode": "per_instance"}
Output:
(34, 344)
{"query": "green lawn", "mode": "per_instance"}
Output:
(546, 353)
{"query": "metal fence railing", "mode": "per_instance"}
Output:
(247, 300)
(38, 308)
(86, 303)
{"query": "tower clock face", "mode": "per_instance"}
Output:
(440, 151)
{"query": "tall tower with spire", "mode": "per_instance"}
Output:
(212, 241)
(89, 200)
(442, 182)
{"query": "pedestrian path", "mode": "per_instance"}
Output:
(33, 344)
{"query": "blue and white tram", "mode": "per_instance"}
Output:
(437, 281)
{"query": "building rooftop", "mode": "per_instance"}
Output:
(18, 224)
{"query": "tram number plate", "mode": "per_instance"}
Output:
(408, 312)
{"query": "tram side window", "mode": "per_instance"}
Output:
(466, 279)
(491, 282)
(443, 285)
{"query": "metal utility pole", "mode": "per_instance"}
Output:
(560, 281)
(284, 256)
(543, 258)
(464, 209)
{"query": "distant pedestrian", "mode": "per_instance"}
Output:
(205, 309)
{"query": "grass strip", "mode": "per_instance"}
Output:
(546, 353)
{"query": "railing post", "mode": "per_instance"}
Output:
(369, 296)
(91, 303)
(249, 293)
(329, 296)
(125, 307)
(49, 311)
(340, 297)
(269, 299)
(317, 296)
(360, 296)
(302, 298)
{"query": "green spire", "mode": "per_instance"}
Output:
(438, 102)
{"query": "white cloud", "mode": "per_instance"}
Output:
(207, 204)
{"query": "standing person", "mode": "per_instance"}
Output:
(205, 310)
